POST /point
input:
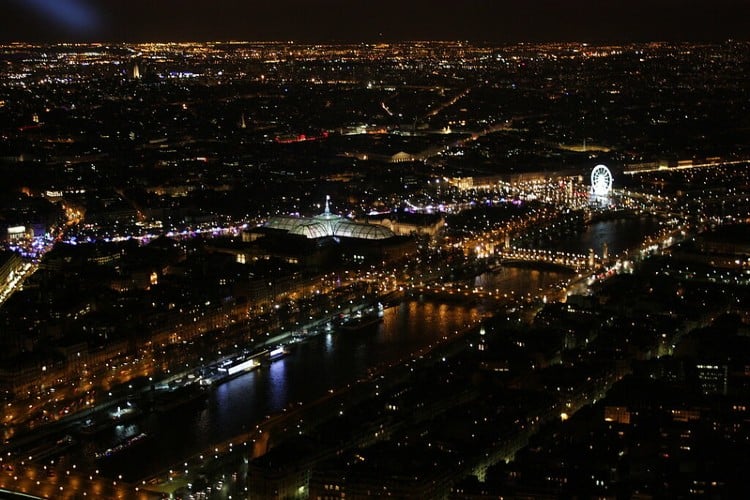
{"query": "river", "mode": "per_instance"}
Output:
(618, 234)
(324, 362)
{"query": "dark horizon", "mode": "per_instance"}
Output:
(335, 21)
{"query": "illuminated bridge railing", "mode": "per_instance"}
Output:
(566, 259)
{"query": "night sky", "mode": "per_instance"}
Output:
(371, 20)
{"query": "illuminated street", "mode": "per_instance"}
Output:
(422, 269)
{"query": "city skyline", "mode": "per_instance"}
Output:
(335, 20)
(436, 269)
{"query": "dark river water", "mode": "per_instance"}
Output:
(311, 368)
(619, 235)
(324, 362)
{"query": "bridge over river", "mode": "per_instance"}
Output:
(569, 260)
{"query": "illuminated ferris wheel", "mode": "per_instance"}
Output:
(601, 181)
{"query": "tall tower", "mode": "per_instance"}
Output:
(605, 251)
(242, 121)
(136, 74)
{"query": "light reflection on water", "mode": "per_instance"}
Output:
(311, 368)
(519, 279)
(278, 385)
(619, 235)
(329, 343)
(308, 372)
(333, 360)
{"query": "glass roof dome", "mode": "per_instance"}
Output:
(328, 224)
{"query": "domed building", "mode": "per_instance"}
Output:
(324, 241)
(328, 224)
